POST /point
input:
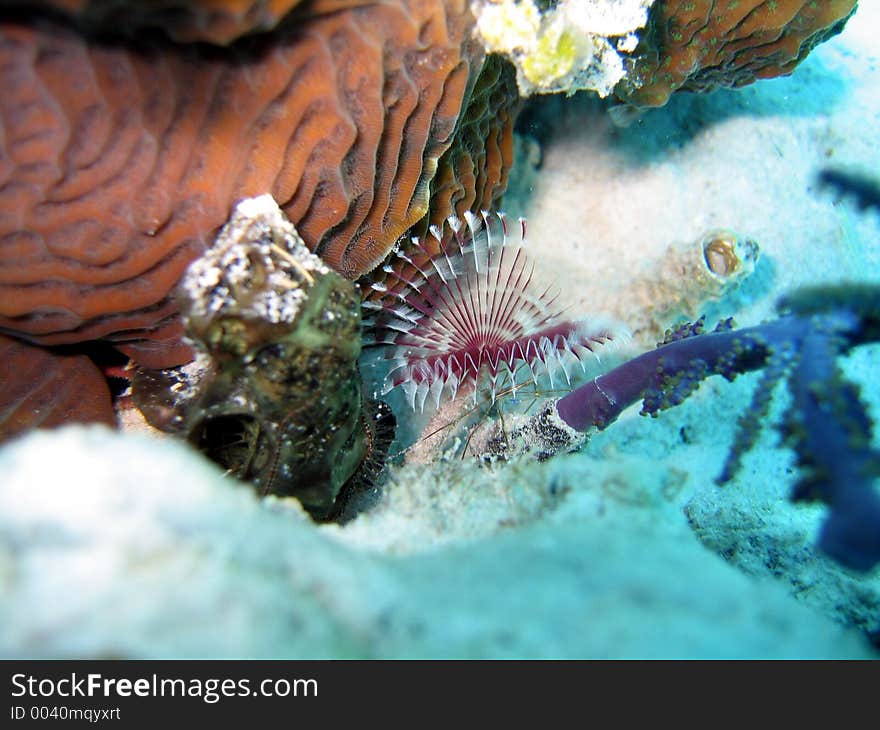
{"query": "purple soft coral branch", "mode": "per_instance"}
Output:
(828, 426)
(602, 400)
(833, 442)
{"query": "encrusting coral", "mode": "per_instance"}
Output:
(701, 45)
(644, 50)
(49, 388)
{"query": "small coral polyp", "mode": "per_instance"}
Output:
(462, 305)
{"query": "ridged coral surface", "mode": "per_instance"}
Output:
(42, 388)
(215, 21)
(120, 159)
(703, 44)
(472, 173)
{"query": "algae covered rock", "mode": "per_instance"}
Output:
(704, 45)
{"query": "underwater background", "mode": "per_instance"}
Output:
(126, 544)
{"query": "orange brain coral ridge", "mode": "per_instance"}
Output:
(215, 21)
(120, 159)
(699, 45)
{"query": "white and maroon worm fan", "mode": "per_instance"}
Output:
(449, 319)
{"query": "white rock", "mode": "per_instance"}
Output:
(115, 545)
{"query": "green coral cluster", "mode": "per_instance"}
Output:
(569, 46)
(554, 57)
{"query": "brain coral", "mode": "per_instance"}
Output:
(215, 21)
(703, 44)
(121, 156)
(120, 161)
(43, 388)
(472, 173)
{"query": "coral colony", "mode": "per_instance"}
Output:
(101, 218)
(444, 318)
(827, 424)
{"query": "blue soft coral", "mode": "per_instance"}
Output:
(827, 424)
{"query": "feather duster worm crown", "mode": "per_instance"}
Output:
(461, 305)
